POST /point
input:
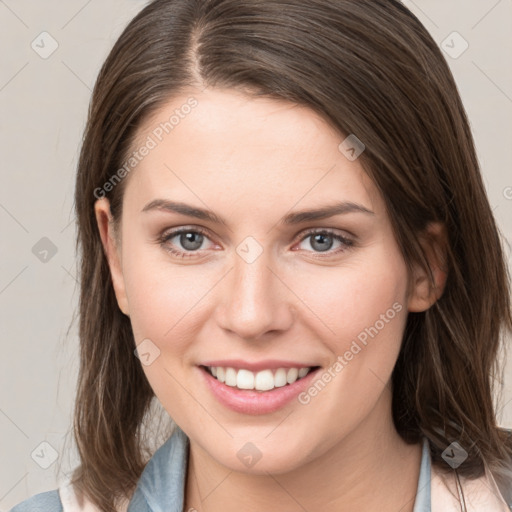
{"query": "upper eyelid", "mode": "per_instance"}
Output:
(305, 233)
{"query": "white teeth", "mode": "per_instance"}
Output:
(292, 375)
(280, 378)
(263, 380)
(230, 377)
(245, 379)
(303, 372)
(221, 373)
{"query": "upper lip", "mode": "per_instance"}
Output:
(269, 364)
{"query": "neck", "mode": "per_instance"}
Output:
(371, 468)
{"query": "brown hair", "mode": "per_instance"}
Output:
(371, 69)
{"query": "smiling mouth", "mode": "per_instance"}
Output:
(264, 380)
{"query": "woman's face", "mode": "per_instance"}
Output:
(264, 290)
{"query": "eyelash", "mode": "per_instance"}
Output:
(163, 241)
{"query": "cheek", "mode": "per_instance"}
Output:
(163, 297)
(365, 308)
(346, 302)
(165, 301)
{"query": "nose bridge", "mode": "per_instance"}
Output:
(254, 301)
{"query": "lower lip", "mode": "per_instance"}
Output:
(256, 402)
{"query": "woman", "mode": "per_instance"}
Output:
(286, 240)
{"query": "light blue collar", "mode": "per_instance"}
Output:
(161, 487)
(423, 503)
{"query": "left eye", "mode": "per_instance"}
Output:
(322, 241)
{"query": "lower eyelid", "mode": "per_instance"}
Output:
(345, 242)
(166, 237)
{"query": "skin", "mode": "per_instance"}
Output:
(252, 161)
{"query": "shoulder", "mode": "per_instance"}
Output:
(70, 502)
(48, 501)
(62, 499)
(479, 494)
(161, 480)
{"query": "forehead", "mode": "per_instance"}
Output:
(222, 146)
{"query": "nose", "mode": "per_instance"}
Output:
(255, 301)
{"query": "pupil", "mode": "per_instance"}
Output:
(188, 238)
(321, 237)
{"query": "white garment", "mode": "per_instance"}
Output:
(480, 495)
(70, 503)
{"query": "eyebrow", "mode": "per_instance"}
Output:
(293, 218)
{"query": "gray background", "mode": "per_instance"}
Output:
(43, 107)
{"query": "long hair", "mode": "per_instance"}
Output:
(371, 69)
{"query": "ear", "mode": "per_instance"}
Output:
(426, 289)
(112, 250)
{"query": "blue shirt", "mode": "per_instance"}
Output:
(161, 487)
